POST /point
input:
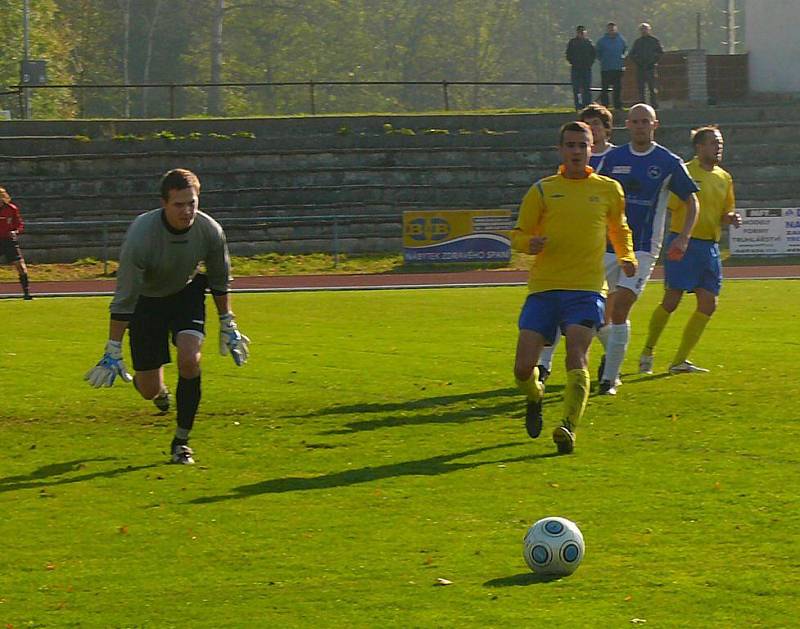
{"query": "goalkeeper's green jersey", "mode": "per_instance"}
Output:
(157, 260)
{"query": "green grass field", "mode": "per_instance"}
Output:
(375, 444)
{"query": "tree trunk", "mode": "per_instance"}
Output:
(149, 56)
(125, 7)
(214, 93)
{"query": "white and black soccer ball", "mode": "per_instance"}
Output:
(553, 547)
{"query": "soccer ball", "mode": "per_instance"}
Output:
(553, 547)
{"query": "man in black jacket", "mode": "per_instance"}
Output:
(580, 54)
(646, 52)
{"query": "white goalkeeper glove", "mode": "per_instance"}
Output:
(110, 366)
(232, 341)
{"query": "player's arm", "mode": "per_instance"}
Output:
(111, 365)
(525, 236)
(619, 234)
(682, 184)
(679, 244)
(129, 278)
(17, 224)
(731, 216)
(231, 341)
(218, 267)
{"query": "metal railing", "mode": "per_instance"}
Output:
(311, 85)
(334, 222)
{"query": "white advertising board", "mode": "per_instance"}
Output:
(767, 232)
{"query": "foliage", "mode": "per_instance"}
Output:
(373, 445)
(274, 41)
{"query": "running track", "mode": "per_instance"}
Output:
(290, 283)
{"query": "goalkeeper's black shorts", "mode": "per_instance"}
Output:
(157, 320)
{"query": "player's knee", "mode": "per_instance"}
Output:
(189, 364)
(523, 369)
(148, 388)
(708, 309)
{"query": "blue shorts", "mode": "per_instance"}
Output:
(700, 267)
(550, 310)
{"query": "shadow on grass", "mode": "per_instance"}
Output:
(429, 402)
(432, 466)
(38, 479)
(513, 409)
(654, 376)
(637, 379)
(523, 578)
(55, 469)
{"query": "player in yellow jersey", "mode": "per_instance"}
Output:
(600, 120)
(564, 220)
(699, 271)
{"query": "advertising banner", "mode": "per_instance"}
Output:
(456, 235)
(766, 232)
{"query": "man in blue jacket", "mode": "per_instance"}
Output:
(610, 50)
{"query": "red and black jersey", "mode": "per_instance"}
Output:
(10, 220)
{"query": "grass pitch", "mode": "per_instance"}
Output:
(373, 445)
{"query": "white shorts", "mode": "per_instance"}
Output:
(616, 278)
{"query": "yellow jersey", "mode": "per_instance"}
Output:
(576, 216)
(716, 200)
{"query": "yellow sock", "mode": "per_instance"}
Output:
(576, 392)
(658, 321)
(691, 334)
(531, 387)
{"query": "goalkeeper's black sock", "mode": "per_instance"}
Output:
(187, 399)
(177, 442)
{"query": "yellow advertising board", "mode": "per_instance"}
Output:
(456, 235)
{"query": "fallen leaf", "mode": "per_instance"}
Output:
(123, 530)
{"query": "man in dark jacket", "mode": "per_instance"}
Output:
(580, 54)
(646, 52)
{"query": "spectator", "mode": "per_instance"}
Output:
(611, 49)
(646, 52)
(580, 54)
(11, 226)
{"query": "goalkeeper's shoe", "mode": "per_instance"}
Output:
(182, 455)
(533, 418)
(163, 400)
(646, 363)
(564, 439)
(687, 367)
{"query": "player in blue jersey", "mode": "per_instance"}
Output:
(648, 172)
(600, 119)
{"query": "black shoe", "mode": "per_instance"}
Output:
(27, 297)
(606, 387)
(182, 455)
(162, 400)
(544, 374)
(601, 368)
(533, 419)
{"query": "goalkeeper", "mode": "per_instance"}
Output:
(160, 296)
